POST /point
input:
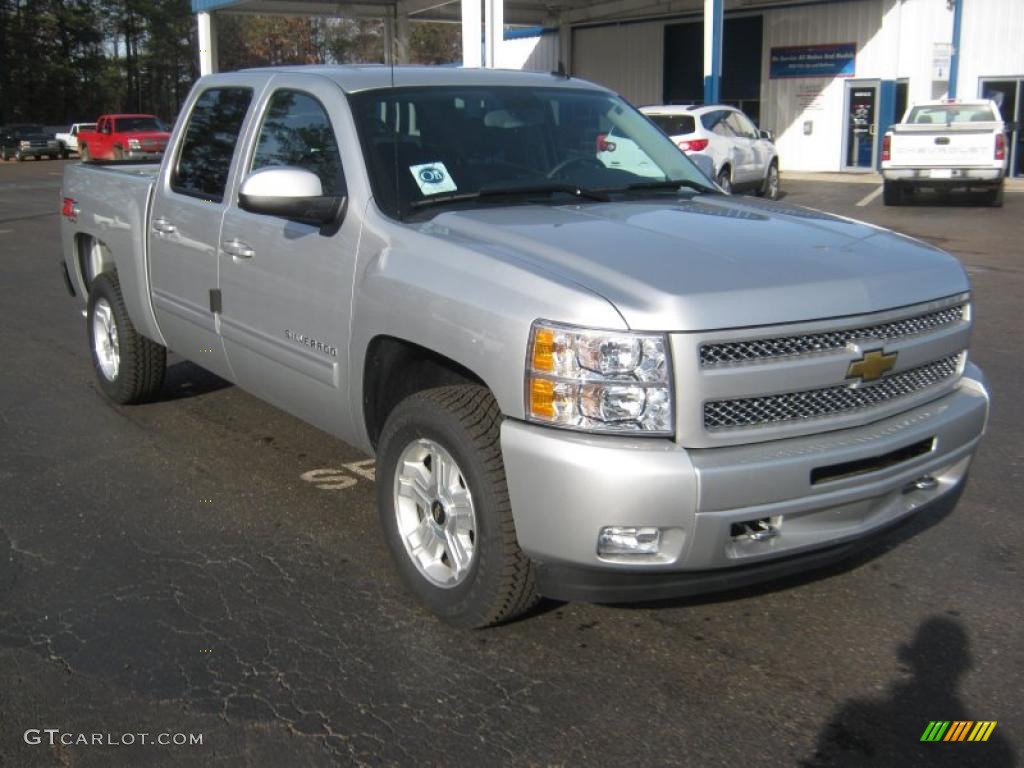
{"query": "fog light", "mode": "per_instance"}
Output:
(618, 540)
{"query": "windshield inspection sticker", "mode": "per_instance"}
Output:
(432, 178)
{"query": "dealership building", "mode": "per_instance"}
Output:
(827, 77)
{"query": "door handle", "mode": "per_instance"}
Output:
(164, 227)
(238, 249)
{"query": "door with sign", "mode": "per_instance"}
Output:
(861, 125)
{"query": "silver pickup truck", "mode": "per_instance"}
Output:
(578, 381)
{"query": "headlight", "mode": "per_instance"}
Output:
(25, 144)
(599, 381)
(51, 143)
(134, 144)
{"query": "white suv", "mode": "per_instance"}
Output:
(744, 157)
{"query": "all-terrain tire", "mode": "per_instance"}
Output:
(465, 421)
(142, 363)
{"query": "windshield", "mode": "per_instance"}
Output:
(27, 128)
(674, 125)
(126, 124)
(946, 114)
(428, 146)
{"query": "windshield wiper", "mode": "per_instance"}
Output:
(671, 184)
(524, 190)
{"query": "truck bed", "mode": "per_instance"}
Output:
(113, 200)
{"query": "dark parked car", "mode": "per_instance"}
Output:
(23, 140)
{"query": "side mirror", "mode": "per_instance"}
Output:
(291, 193)
(767, 135)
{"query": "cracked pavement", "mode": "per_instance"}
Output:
(164, 568)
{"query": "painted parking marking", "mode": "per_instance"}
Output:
(337, 479)
(869, 197)
(364, 469)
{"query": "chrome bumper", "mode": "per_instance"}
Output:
(565, 488)
(959, 177)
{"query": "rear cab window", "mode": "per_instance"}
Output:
(947, 114)
(208, 147)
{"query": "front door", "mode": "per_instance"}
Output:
(1008, 93)
(287, 286)
(861, 125)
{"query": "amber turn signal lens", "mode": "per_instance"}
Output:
(542, 399)
(543, 350)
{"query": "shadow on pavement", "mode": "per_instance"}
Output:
(888, 731)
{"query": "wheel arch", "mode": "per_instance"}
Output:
(396, 368)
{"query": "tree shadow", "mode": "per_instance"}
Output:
(888, 731)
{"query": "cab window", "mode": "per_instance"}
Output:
(209, 144)
(297, 133)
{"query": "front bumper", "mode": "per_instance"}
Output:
(959, 177)
(566, 487)
(142, 154)
(38, 152)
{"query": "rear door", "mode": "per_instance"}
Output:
(287, 286)
(185, 221)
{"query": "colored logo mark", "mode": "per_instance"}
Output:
(958, 730)
(431, 175)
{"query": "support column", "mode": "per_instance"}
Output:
(401, 42)
(389, 40)
(471, 34)
(713, 21)
(954, 59)
(206, 24)
(494, 31)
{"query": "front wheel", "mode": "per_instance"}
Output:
(771, 187)
(445, 510)
(130, 368)
(83, 154)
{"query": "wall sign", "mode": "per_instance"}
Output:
(831, 60)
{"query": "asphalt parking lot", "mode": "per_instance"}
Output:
(209, 565)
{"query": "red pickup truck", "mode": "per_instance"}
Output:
(124, 137)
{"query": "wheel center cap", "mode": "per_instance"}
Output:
(437, 512)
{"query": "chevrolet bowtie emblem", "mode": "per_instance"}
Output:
(871, 366)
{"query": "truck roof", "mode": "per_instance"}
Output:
(365, 77)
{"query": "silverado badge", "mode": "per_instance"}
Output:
(871, 366)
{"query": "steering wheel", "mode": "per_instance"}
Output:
(585, 160)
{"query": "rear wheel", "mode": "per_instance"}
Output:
(995, 196)
(892, 193)
(130, 368)
(445, 511)
(724, 180)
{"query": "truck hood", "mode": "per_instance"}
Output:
(713, 261)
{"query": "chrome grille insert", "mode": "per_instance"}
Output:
(786, 346)
(830, 401)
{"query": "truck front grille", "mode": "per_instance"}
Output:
(829, 401)
(762, 349)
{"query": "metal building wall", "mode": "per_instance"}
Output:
(991, 42)
(538, 52)
(808, 114)
(628, 58)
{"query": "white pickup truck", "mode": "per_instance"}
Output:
(68, 140)
(945, 145)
